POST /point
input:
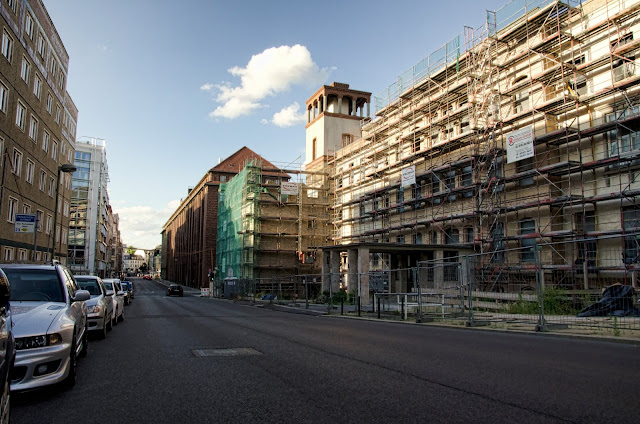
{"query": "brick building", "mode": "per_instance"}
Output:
(189, 235)
(37, 131)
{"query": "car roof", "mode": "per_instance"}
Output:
(29, 266)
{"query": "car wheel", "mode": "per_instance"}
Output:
(85, 343)
(116, 319)
(5, 403)
(70, 381)
(122, 316)
(110, 324)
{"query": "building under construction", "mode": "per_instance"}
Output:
(268, 227)
(516, 141)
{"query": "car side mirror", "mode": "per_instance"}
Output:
(81, 295)
(109, 293)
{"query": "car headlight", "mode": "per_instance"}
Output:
(96, 309)
(38, 341)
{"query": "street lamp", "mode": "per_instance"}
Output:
(66, 168)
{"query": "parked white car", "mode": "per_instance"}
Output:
(113, 285)
(100, 306)
(49, 324)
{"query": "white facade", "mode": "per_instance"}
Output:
(88, 231)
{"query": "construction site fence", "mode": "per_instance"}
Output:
(484, 289)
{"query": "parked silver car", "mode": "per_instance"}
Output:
(49, 324)
(113, 285)
(100, 306)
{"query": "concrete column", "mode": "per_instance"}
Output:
(339, 104)
(401, 281)
(325, 271)
(362, 111)
(308, 115)
(352, 263)
(368, 111)
(324, 103)
(363, 271)
(353, 107)
(438, 271)
(314, 110)
(334, 268)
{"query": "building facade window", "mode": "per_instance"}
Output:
(51, 186)
(17, 162)
(58, 112)
(37, 86)
(7, 45)
(29, 26)
(622, 139)
(54, 150)
(43, 180)
(8, 254)
(49, 103)
(452, 236)
(623, 65)
(346, 139)
(4, 97)
(21, 115)
(528, 245)
(30, 171)
(25, 69)
(33, 128)
(48, 224)
(39, 215)
(13, 209)
(46, 137)
(41, 45)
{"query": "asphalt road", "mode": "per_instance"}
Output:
(155, 367)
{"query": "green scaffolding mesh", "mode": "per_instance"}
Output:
(237, 222)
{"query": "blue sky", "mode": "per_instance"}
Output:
(173, 86)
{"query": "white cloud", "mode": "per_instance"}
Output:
(140, 226)
(273, 71)
(289, 116)
(207, 87)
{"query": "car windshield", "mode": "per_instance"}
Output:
(90, 285)
(34, 285)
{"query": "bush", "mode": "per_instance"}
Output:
(556, 302)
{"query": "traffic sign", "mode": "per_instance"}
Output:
(25, 223)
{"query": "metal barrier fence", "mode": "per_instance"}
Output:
(491, 289)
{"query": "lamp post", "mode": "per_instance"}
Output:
(66, 168)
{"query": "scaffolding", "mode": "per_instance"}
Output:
(270, 223)
(564, 70)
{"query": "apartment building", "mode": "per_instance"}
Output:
(516, 144)
(37, 131)
(93, 242)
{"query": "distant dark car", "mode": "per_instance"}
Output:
(175, 289)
